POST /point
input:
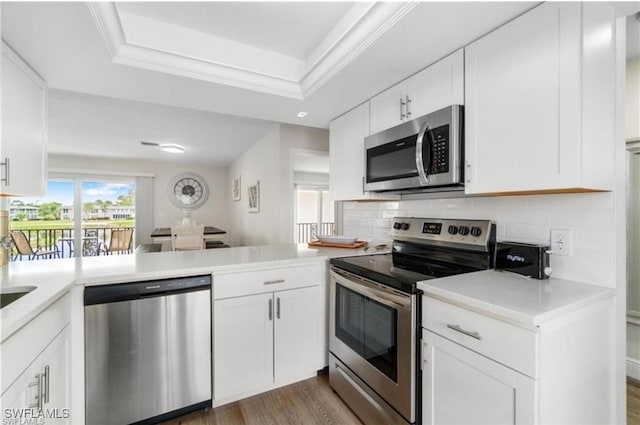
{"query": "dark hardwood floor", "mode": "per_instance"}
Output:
(310, 402)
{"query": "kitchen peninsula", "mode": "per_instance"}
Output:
(48, 322)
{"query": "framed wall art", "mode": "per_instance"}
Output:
(236, 188)
(254, 197)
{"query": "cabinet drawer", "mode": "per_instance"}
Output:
(267, 280)
(505, 343)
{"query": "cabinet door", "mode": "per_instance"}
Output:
(346, 156)
(24, 131)
(438, 86)
(243, 345)
(48, 376)
(296, 334)
(389, 108)
(462, 387)
(520, 80)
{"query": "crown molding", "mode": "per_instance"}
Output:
(142, 45)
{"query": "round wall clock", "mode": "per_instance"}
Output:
(188, 190)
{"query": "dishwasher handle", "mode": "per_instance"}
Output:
(103, 294)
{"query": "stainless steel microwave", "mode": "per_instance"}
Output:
(426, 152)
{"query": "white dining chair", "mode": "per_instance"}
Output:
(187, 237)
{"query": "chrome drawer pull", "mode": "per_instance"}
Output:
(273, 282)
(475, 335)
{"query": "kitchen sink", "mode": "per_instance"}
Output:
(9, 295)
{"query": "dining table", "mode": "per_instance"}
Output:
(71, 243)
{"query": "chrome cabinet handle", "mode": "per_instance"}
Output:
(5, 179)
(402, 104)
(278, 307)
(457, 328)
(273, 282)
(271, 309)
(45, 392)
(408, 110)
(468, 173)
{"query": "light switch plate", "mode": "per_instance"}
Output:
(561, 241)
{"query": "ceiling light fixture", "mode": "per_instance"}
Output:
(166, 147)
(302, 114)
(172, 148)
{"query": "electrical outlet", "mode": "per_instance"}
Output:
(562, 241)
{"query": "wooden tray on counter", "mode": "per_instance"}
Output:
(319, 244)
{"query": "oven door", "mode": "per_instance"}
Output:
(372, 331)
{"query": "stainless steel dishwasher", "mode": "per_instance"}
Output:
(147, 350)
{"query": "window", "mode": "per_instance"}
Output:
(75, 218)
(314, 212)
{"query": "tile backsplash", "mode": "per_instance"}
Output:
(518, 218)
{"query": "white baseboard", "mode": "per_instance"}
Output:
(633, 368)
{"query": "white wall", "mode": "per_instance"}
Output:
(518, 218)
(270, 161)
(214, 212)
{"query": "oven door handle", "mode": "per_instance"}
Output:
(363, 287)
(420, 146)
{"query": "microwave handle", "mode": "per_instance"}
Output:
(422, 174)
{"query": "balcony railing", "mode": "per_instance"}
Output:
(94, 241)
(306, 232)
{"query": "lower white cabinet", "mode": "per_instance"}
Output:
(266, 330)
(243, 345)
(41, 391)
(460, 386)
(481, 368)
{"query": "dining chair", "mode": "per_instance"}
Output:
(119, 242)
(23, 247)
(187, 237)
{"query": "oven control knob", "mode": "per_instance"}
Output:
(476, 231)
(396, 225)
(463, 230)
(404, 226)
(453, 230)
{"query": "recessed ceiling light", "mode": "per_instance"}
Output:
(302, 114)
(167, 147)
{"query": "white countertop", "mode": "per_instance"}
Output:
(513, 297)
(54, 278)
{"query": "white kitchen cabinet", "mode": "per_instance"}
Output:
(243, 344)
(24, 128)
(36, 372)
(433, 88)
(347, 159)
(484, 368)
(463, 387)
(266, 329)
(540, 102)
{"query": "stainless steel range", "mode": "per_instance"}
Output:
(375, 311)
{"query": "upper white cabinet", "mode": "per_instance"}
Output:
(433, 88)
(24, 128)
(346, 156)
(540, 102)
